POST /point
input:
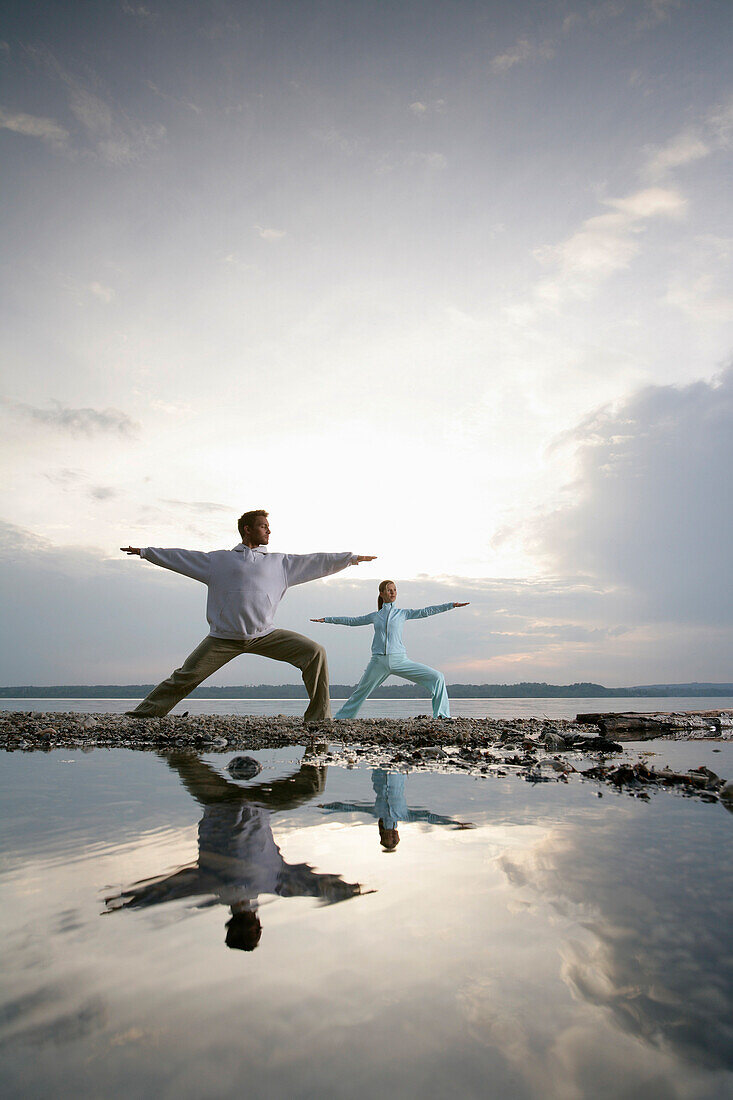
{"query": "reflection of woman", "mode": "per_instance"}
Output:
(390, 807)
(388, 651)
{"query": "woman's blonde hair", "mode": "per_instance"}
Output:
(382, 586)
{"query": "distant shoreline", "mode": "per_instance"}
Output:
(398, 691)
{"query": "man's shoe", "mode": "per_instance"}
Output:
(135, 714)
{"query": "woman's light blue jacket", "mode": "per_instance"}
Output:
(388, 622)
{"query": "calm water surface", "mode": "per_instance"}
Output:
(169, 932)
(392, 708)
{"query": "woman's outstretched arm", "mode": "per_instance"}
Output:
(434, 609)
(347, 620)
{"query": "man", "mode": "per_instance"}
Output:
(238, 859)
(245, 586)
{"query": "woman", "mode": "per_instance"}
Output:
(388, 651)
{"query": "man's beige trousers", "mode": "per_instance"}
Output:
(280, 645)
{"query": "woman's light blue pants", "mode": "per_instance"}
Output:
(377, 671)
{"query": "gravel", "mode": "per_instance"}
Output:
(536, 749)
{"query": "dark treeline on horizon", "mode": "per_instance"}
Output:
(526, 690)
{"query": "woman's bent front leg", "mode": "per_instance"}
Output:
(426, 677)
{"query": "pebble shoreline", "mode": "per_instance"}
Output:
(71, 729)
(535, 749)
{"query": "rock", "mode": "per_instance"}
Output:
(640, 726)
(561, 766)
(215, 744)
(726, 794)
(431, 752)
(555, 743)
(244, 767)
(596, 744)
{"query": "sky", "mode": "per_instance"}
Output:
(447, 282)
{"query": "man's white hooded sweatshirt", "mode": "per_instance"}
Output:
(246, 586)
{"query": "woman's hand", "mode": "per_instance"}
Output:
(130, 549)
(318, 620)
(460, 605)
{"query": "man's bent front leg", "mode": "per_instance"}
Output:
(309, 657)
(206, 658)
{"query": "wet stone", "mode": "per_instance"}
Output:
(244, 767)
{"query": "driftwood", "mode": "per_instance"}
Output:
(639, 726)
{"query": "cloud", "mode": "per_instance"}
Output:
(694, 143)
(269, 234)
(605, 243)
(434, 161)
(82, 291)
(199, 505)
(138, 11)
(75, 480)
(658, 11)
(559, 629)
(112, 136)
(652, 508)
(172, 98)
(701, 296)
(105, 293)
(32, 126)
(683, 149)
(18, 542)
(633, 923)
(116, 138)
(65, 477)
(593, 14)
(608, 242)
(234, 261)
(720, 124)
(336, 140)
(524, 50)
(420, 109)
(83, 421)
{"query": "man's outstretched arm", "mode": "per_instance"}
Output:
(191, 563)
(300, 568)
(208, 786)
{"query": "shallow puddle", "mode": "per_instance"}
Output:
(169, 931)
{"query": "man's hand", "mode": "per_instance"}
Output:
(318, 620)
(364, 557)
(460, 605)
(130, 549)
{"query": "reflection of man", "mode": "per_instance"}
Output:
(390, 806)
(245, 587)
(238, 857)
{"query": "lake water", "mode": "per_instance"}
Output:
(168, 932)
(391, 708)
